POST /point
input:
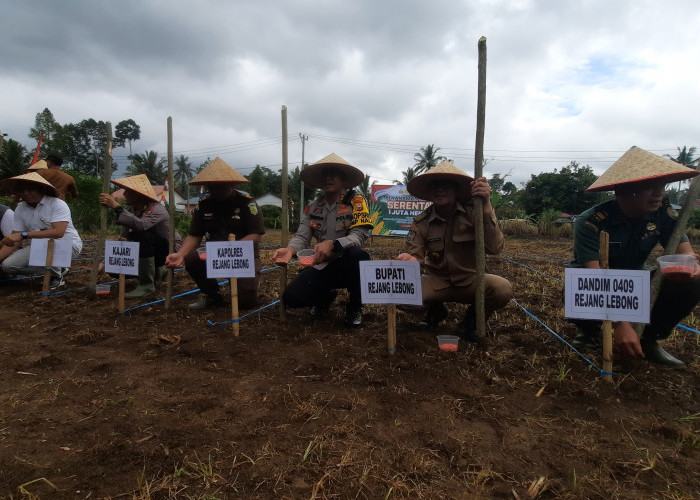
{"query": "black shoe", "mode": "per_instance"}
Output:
(436, 314)
(353, 318)
(208, 301)
(321, 310)
(466, 329)
(584, 340)
(57, 282)
(656, 354)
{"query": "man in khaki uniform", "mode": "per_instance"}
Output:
(339, 221)
(50, 169)
(442, 239)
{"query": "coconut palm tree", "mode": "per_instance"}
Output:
(183, 174)
(147, 163)
(685, 157)
(426, 159)
(408, 174)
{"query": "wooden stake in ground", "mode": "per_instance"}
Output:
(234, 298)
(607, 324)
(285, 221)
(98, 256)
(122, 288)
(171, 212)
(391, 335)
(47, 273)
(479, 298)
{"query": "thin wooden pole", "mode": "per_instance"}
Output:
(480, 296)
(171, 211)
(234, 298)
(391, 335)
(122, 288)
(607, 324)
(47, 272)
(98, 256)
(285, 221)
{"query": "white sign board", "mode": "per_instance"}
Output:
(612, 294)
(230, 259)
(122, 257)
(62, 252)
(391, 282)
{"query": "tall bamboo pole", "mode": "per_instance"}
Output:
(285, 220)
(171, 212)
(235, 321)
(98, 256)
(604, 253)
(479, 298)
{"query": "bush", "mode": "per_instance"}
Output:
(546, 225)
(182, 223)
(85, 209)
(517, 227)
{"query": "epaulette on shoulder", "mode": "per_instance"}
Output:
(424, 215)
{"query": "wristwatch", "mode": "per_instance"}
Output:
(24, 235)
(118, 210)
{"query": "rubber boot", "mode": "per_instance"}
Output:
(161, 274)
(147, 274)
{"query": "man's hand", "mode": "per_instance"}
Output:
(323, 250)
(481, 189)
(406, 256)
(627, 341)
(12, 239)
(107, 200)
(282, 256)
(174, 260)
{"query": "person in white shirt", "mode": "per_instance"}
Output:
(7, 220)
(40, 214)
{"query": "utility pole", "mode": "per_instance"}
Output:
(303, 138)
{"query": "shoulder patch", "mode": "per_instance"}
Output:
(253, 207)
(672, 213)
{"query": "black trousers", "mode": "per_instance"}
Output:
(312, 286)
(151, 245)
(676, 300)
(247, 287)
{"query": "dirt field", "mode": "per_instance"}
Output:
(156, 403)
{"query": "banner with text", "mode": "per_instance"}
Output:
(230, 259)
(392, 209)
(612, 294)
(122, 257)
(391, 282)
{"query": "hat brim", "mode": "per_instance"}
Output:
(13, 185)
(419, 186)
(667, 178)
(313, 175)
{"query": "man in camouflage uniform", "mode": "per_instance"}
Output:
(637, 219)
(225, 211)
(339, 221)
(442, 239)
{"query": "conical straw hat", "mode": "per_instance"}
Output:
(313, 175)
(138, 183)
(218, 171)
(13, 184)
(40, 165)
(419, 186)
(639, 165)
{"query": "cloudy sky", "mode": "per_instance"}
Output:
(370, 80)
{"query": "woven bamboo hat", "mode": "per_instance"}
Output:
(218, 171)
(639, 165)
(14, 184)
(420, 187)
(40, 165)
(139, 184)
(313, 175)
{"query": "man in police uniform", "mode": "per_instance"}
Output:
(148, 223)
(225, 211)
(637, 219)
(442, 239)
(339, 221)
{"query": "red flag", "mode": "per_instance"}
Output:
(36, 153)
(165, 189)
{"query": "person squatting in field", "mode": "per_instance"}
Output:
(40, 214)
(637, 219)
(50, 169)
(442, 239)
(224, 211)
(339, 221)
(148, 223)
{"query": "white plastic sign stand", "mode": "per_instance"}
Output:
(391, 282)
(62, 252)
(607, 294)
(230, 259)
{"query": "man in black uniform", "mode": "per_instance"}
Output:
(225, 211)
